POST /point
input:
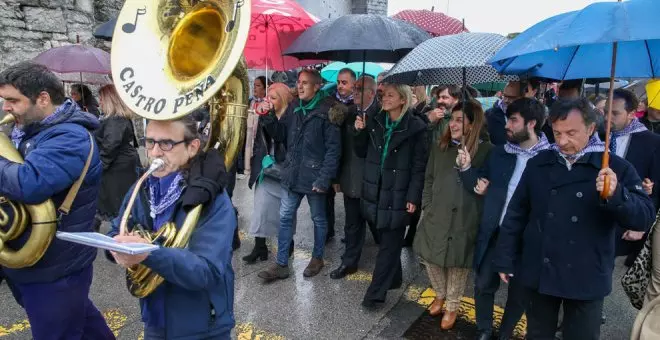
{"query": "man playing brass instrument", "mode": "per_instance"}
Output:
(196, 299)
(52, 135)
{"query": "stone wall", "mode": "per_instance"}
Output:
(29, 27)
(369, 7)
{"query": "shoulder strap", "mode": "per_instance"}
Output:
(65, 207)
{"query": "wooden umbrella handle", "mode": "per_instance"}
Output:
(606, 184)
(608, 124)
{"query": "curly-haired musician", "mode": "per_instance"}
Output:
(196, 299)
(52, 135)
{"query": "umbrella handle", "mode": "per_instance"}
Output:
(606, 184)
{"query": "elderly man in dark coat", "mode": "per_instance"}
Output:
(558, 233)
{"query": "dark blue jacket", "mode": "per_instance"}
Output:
(55, 155)
(313, 144)
(498, 169)
(496, 124)
(558, 235)
(644, 154)
(199, 280)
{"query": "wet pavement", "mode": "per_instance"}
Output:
(308, 308)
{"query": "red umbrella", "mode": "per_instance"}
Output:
(435, 23)
(75, 58)
(274, 26)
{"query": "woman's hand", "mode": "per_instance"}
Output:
(411, 208)
(481, 187)
(126, 260)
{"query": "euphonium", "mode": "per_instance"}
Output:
(169, 58)
(15, 217)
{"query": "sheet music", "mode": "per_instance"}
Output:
(101, 241)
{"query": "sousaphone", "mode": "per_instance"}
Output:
(168, 59)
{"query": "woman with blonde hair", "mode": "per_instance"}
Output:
(394, 144)
(267, 156)
(446, 237)
(117, 148)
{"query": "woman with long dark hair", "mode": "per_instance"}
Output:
(447, 235)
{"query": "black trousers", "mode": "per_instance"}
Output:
(582, 318)
(486, 284)
(387, 273)
(330, 212)
(354, 232)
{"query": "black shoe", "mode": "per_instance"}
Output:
(259, 252)
(236, 242)
(372, 305)
(485, 336)
(342, 271)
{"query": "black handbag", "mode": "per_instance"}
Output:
(274, 171)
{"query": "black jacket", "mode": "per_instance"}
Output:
(558, 235)
(496, 123)
(351, 167)
(498, 170)
(644, 154)
(263, 143)
(385, 193)
(313, 144)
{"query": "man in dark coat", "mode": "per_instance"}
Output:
(343, 96)
(311, 130)
(53, 136)
(633, 141)
(501, 175)
(350, 179)
(496, 116)
(558, 233)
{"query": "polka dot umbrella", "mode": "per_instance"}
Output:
(435, 23)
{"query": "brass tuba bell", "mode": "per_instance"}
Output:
(169, 58)
(15, 217)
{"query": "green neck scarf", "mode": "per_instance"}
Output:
(312, 103)
(389, 130)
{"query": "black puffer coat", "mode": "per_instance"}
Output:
(385, 193)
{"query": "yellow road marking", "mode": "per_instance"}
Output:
(360, 275)
(247, 331)
(114, 317)
(466, 311)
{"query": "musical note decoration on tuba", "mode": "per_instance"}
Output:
(15, 216)
(168, 59)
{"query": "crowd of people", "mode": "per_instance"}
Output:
(517, 193)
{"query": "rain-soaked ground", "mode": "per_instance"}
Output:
(316, 308)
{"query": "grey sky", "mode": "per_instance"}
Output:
(497, 16)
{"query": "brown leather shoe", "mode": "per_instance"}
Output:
(436, 307)
(313, 268)
(448, 320)
(274, 272)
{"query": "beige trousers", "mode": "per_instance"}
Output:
(448, 283)
(653, 290)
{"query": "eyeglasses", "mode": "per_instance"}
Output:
(164, 145)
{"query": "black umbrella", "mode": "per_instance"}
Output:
(105, 30)
(358, 37)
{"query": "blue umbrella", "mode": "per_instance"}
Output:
(615, 39)
(579, 44)
(331, 71)
(105, 30)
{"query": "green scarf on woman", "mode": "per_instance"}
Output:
(389, 129)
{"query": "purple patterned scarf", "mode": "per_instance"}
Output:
(344, 100)
(17, 134)
(593, 145)
(634, 127)
(173, 194)
(515, 149)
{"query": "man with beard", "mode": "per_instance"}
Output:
(496, 116)
(500, 177)
(631, 140)
(448, 97)
(380, 85)
(558, 232)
